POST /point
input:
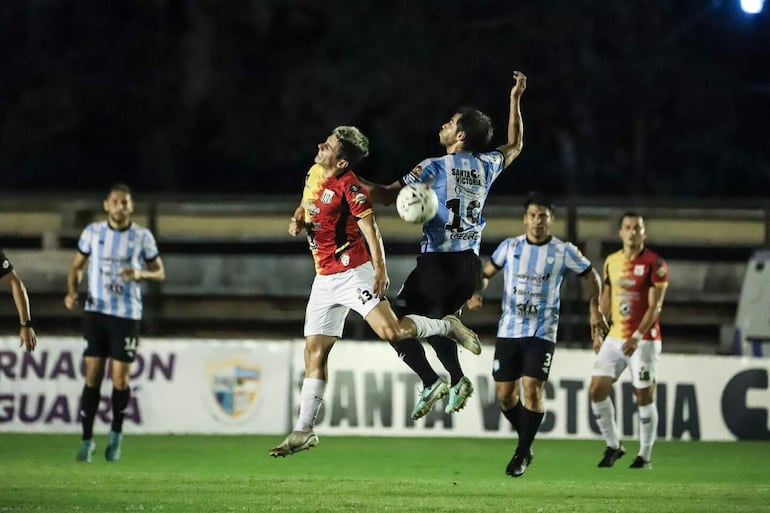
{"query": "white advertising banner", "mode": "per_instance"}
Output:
(371, 392)
(177, 386)
(249, 386)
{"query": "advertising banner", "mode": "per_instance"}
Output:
(699, 397)
(250, 386)
(177, 386)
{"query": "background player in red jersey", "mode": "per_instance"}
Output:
(339, 220)
(27, 337)
(635, 281)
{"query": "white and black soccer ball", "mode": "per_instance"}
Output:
(416, 203)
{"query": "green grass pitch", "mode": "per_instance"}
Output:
(372, 475)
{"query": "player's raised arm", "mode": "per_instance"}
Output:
(381, 194)
(515, 143)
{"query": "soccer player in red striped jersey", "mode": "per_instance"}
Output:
(337, 215)
(635, 281)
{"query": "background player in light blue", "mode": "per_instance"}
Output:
(534, 266)
(448, 266)
(119, 254)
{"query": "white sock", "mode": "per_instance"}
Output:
(310, 399)
(648, 429)
(427, 327)
(604, 411)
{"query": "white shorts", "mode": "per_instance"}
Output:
(334, 295)
(643, 363)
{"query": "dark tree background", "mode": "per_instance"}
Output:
(625, 97)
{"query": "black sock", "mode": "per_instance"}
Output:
(89, 402)
(446, 350)
(529, 422)
(412, 353)
(119, 402)
(513, 415)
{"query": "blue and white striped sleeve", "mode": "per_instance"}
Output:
(149, 246)
(421, 173)
(575, 260)
(84, 243)
(499, 256)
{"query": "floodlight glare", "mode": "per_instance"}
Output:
(752, 6)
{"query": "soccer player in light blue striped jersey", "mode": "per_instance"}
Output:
(534, 266)
(119, 253)
(448, 267)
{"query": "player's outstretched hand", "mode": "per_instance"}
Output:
(296, 225)
(520, 85)
(381, 284)
(71, 300)
(27, 339)
(475, 302)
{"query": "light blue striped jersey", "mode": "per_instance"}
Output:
(461, 182)
(109, 252)
(533, 274)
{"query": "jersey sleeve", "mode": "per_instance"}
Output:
(494, 163)
(358, 200)
(659, 274)
(5, 264)
(574, 259)
(423, 172)
(606, 276)
(498, 257)
(84, 243)
(149, 246)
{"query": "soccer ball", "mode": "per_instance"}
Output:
(416, 203)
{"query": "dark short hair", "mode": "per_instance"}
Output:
(119, 187)
(536, 198)
(628, 213)
(354, 145)
(477, 127)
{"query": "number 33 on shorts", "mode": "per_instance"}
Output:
(365, 296)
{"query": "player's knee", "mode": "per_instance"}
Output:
(597, 392)
(94, 377)
(533, 398)
(644, 396)
(506, 402)
(389, 333)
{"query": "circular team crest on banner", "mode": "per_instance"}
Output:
(235, 385)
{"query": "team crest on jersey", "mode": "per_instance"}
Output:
(327, 196)
(416, 172)
(550, 260)
(345, 259)
(639, 270)
(311, 208)
(235, 386)
(6, 264)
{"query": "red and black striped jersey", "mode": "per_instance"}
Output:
(333, 207)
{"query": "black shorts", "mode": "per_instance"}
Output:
(439, 285)
(110, 336)
(517, 357)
